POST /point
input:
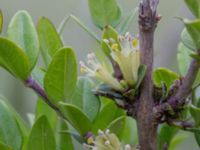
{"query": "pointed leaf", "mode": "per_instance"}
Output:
(193, 28)
(49, 39)
(41, 136)
(141, 73)
(13, 59)
(84, 98)
(76, 118)
(10, 132)
(164, 75)
(194, 6)
(104, 12)
(22, 31)
(60, 79)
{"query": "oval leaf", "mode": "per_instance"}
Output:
(164, 75)
(13, 59)
(84, 98)
(10, 132)
(22, 31)
(41, 136)
(104, 12)
(195, 112)
(49, 39)
(76, 118)
(60, 79)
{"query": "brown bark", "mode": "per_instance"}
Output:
(147, 126)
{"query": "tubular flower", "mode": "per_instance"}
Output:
(128, 58)
(107, 141)
(98, 70)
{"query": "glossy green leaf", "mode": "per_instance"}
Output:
(108, 113)
(64, 140)
(41, 136)
(22, 31)
(10, 132)
(104, 12)
(42, 109)
(1, 21)
(194, 6)
(76, 118)
(60, 79)
(193, 28)
(165, 135)
(84, 98)
(195, 112)
(4, 147)
(187, 40)
(50, 40)
(13, 59)
(164, 75)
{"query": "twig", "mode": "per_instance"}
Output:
(147, 23)
(40, 91)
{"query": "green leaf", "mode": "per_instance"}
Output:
(187, 40)
(193, 28)
(64, 140)
(13, 59)
(107, 114)
(49, 39)
(117, 126)
(84, 98)
(22, 31)
(164, 75)
(195, 112)
(125, 26)
(4, 147)
(1, 21)
(177, 140)
(41, 136)
(197, 137)
(42, 109)
(194, 6)
(141, 73)
(104, 12)
(165, 135)
(184, 59)
(76, 118)
(60, 79)
(10, 132)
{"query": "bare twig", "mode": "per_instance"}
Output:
(147, 23)
(40, 91)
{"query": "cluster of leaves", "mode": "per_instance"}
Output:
(83, 111)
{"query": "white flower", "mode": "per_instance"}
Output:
(96, 69)
(128, 58)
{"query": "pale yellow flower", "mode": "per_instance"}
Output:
(96, 69)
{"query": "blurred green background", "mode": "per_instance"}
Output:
(166, 40)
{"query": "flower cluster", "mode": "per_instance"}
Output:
(125, 52)
(105, 141)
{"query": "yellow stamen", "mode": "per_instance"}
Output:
(134, 42)
(115, 47)
(90, 140)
